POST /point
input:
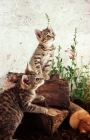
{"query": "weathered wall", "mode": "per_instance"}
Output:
(19, 18)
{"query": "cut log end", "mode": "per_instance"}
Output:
(51, 121)
(79, 119)
(84, 125)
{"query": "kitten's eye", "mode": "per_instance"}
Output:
(48, 36)
(52, 33)
(37, 79)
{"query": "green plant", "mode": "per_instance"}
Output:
(48, 19)
(78, 77)
(58, 67)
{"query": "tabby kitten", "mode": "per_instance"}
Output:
(17, 100)
(41, 61)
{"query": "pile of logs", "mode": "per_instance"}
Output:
(57, 100)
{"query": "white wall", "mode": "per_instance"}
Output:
(19, 18)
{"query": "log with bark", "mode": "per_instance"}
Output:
(47, 123)
(56, 93)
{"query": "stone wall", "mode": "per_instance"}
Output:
(19, 19)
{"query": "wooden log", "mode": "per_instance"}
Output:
(73, 108)
(53, 119)
(47, 123)
(79, 118)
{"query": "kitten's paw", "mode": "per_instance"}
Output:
(47, 77)
(44, 110)
(42, 98)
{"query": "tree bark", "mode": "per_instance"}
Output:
(56, 93)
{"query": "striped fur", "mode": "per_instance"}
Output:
(41, 61)
(17, 100)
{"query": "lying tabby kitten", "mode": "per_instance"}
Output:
(41, 61)
(17, 100)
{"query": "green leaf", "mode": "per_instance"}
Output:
(80, 85)
(75, 79)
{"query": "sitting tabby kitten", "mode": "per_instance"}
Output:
(17, 100)
(41, 61)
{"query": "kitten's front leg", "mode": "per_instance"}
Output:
(35, 108)
(35, 96)
(36, 64)
(40, 97)
(46, 70)
(46, 74)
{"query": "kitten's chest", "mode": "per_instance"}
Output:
(46, 57)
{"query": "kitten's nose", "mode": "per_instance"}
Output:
(53, 38)
(42, 78)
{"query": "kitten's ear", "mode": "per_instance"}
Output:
(28, 69)
(38, 33)
(25, 82)
(49, 27)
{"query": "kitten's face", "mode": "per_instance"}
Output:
(47, 36)
(28, 81)
(31, 81)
